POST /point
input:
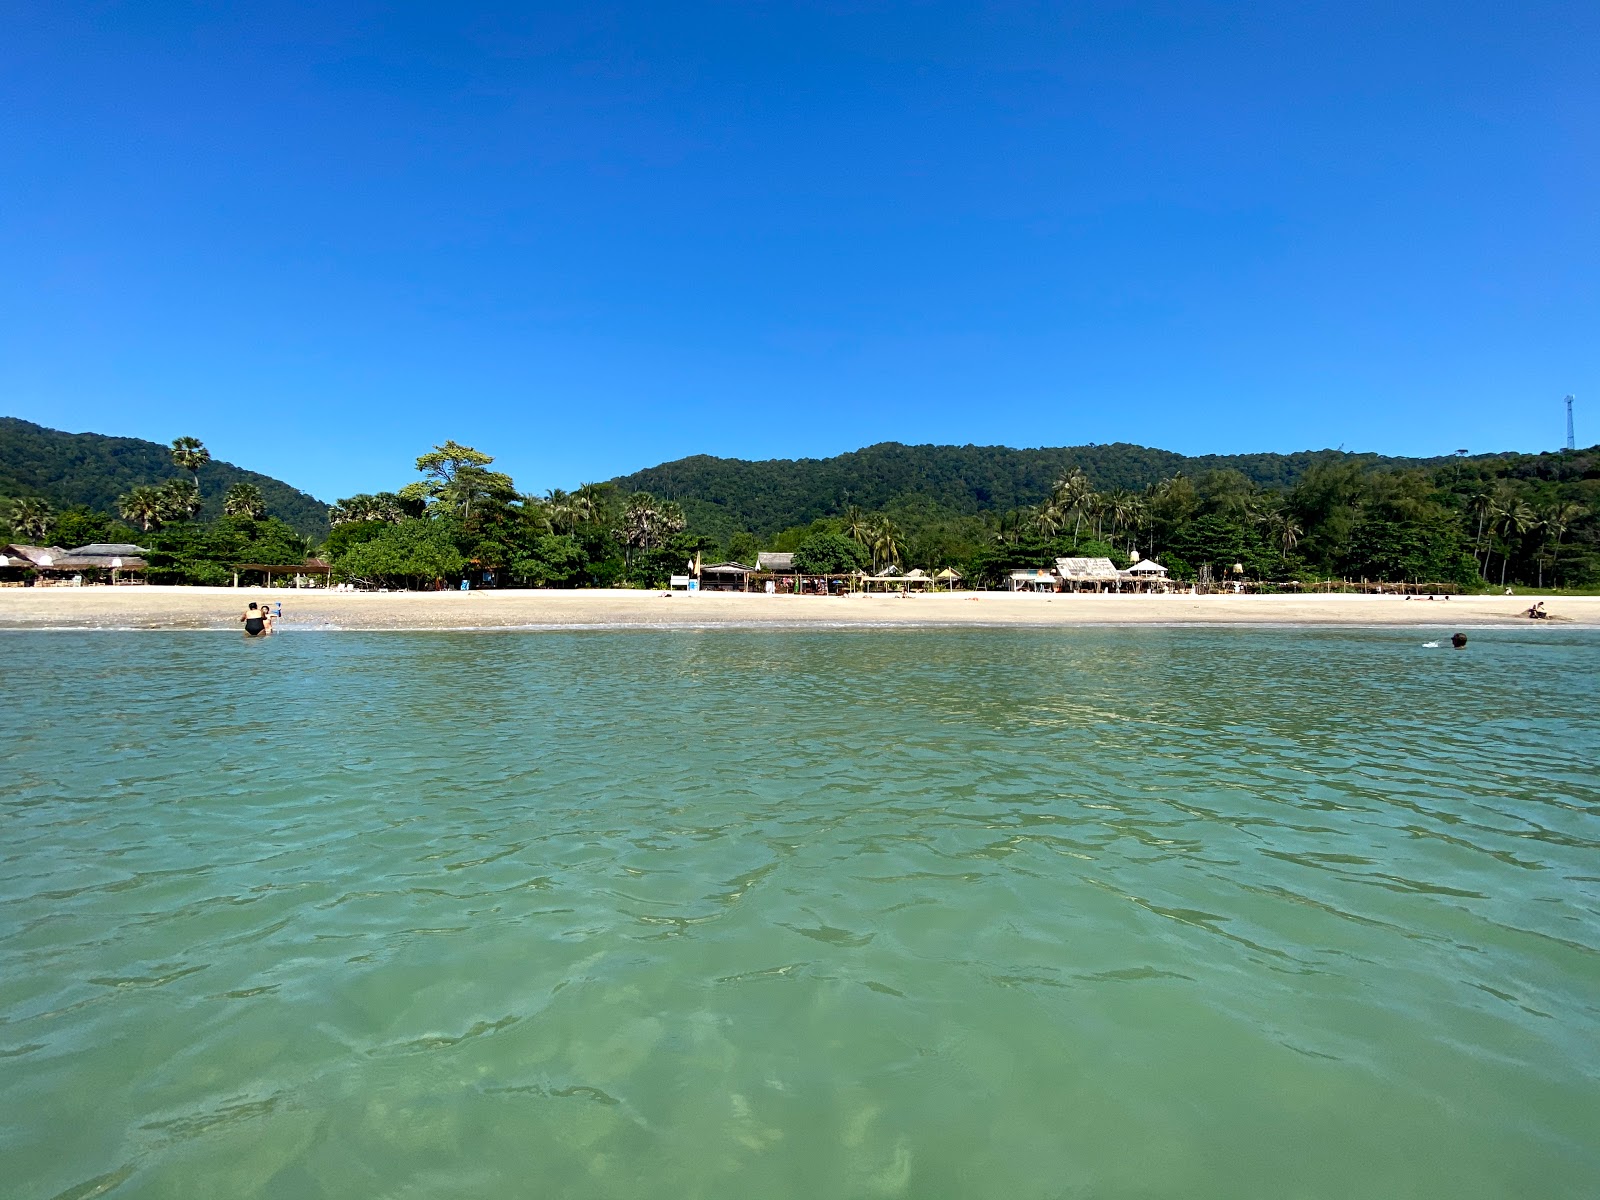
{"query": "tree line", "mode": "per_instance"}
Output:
(1527, 520)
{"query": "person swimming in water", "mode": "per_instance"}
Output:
(255, 620)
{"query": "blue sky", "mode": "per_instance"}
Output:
(588, 239)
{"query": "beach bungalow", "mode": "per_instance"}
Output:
(1147, 574)
(117, 558)
(1095, 574)
(21, 563)
(772, 562)
(725, 577)
(1034, 579)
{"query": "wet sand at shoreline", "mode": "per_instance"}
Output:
(218, 608)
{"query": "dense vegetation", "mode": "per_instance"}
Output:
(464, 520)
(90, 470)
(1491, 519)
(723, 496)
(1461, 522)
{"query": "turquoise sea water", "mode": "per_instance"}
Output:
(1009, 913)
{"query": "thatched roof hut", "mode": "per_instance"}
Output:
(19, 554)
(1087, 570)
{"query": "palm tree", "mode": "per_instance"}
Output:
(1481, 504)
(589, 501)
(244, 500)
(1558, 519)
(1047, 519)
(142, 504)
(857, 525)
(179, 499)
(189, 454)
(32, 518)
(887, 542)
(1512, 519)
(646, 521)
(1288, 531)
(1008, 529)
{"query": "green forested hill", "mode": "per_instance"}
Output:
(724, 495)
(92, 469)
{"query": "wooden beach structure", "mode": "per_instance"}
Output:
(1147, 574)
(51, 565)
(725, 577)
(310, 569)
(1088, 574)
(1034, 579)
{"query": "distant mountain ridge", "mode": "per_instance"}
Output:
(721, 496)
(94, 469)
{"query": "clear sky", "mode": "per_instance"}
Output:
(590, 238)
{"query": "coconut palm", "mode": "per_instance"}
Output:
(856, 525)
(887, 543)
(589, 501)
(1558, 519)
(32, 517)
(1511, 519)
(189, 454)
(1287, 531)
(142, 504)
(1481, 504)
(244, 500)
(179, 500)
(1047, 519)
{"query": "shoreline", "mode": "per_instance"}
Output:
(195, 608)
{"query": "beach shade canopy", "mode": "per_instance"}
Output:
(1146, 566)
(948, 574)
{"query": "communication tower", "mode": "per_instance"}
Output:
(1571, 445)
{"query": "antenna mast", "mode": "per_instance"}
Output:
(1571, 445)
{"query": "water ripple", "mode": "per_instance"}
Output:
(660, 913)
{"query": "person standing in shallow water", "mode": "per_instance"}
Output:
(1459, 641)
(255, 621)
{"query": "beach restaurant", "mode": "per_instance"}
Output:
(47, 565)
(725, 577)
(1095, 574)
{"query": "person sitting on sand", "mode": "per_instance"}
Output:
(255, 620)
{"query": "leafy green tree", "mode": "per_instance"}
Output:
(551, 560)
(80, 525)
(829, 554)
(416, 551)
(743, 547)
(243, 500)
(189, 454)
(456, 479)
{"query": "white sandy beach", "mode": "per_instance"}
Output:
(218, 608)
